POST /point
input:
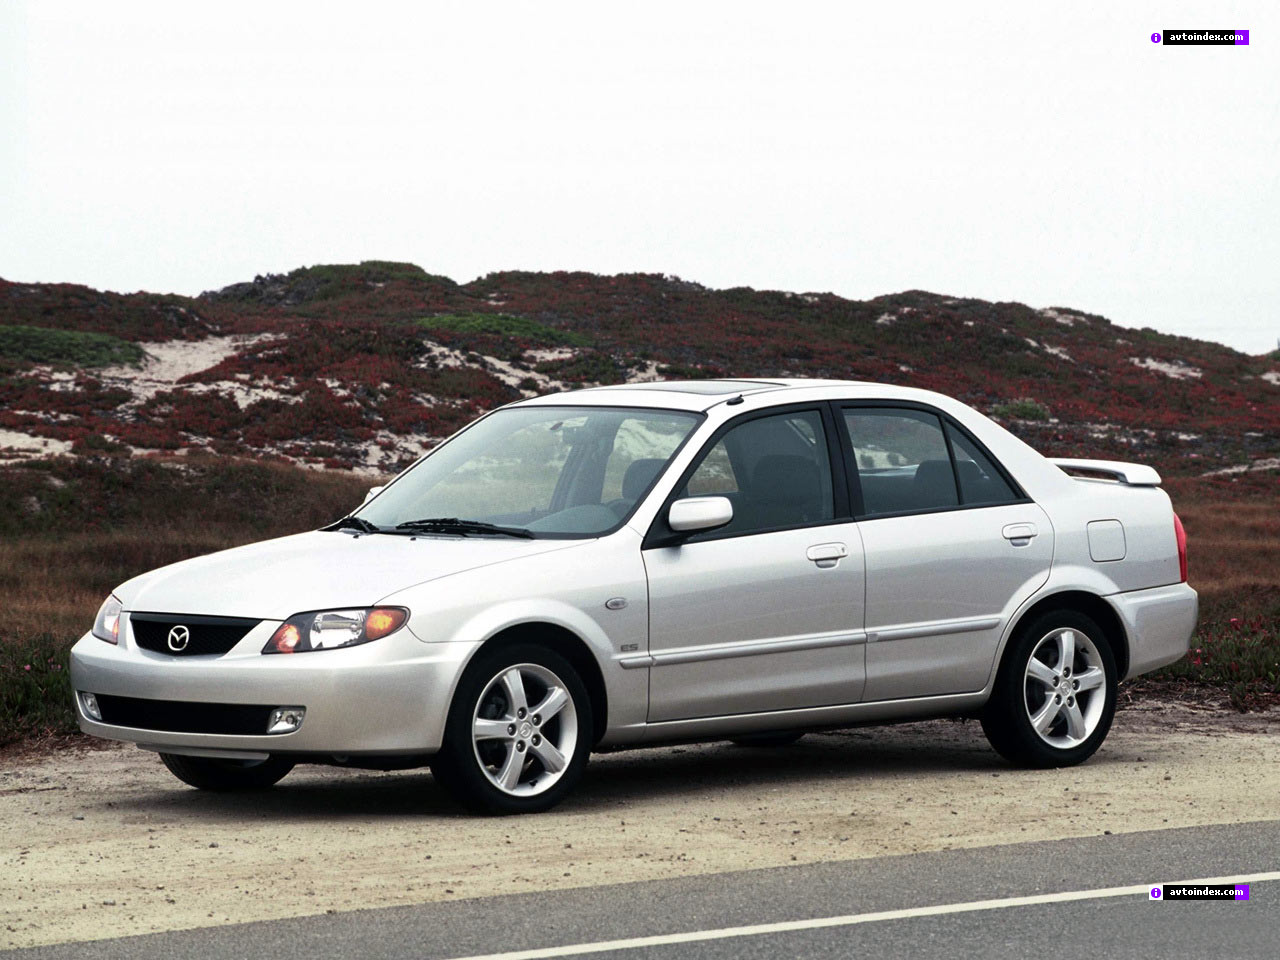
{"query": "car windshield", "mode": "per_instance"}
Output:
(551, 471)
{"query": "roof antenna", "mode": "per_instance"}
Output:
(734, 402)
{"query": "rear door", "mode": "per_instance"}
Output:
(952, 548)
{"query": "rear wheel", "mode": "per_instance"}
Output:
(1055, 695)
(518, 733)
(211, 773)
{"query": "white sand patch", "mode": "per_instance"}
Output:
(16, 446)
(1272, 377)
(1175, 369)
(646, 374)
(385, 459)
(509, 374)
(337, 388)
(243, 394)
(546, 356)
(968, 323)
(809, 298)
(48, 416)
(59, 381)
(1272, 463)
(1059, 352)
(1065, 319)
(904, 368)
(885, 319)
(1031, 343)
(169, 361)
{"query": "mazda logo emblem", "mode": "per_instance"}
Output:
(179, 637)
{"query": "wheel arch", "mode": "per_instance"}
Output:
(569, 645)
(1091, 605)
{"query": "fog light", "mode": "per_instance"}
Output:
(89, 704)
(286, 719)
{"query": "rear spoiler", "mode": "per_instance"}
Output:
(1132, 474)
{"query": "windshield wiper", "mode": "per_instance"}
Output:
(464, 527)
(355, 523)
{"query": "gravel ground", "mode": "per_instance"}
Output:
(103, 843)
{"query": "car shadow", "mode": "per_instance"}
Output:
(618, 778)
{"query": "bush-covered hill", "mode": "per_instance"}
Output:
(367, 365)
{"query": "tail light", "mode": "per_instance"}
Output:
(1181, 534)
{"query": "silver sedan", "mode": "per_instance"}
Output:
(650, 563)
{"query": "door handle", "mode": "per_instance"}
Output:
(1019, 534)
(827, 555)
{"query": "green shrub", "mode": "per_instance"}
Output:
(35, 688)
(1241, 657)
(505, 325)
(1021, 408)
(589, 367)
(23, 346)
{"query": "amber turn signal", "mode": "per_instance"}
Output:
(382, 621)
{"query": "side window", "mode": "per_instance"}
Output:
(714, 475)
(641, 448)
(775, 470)
(980, 481)
(902, 460)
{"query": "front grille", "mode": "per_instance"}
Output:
(204, 636)
(178, 716)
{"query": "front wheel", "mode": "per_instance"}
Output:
(1055, 695)
(211, 773)
(518, 732)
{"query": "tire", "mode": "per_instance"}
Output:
(1028, 720)
(779, 738)
(501, 754)
(222, 776)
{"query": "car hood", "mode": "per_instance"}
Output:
(275, 579)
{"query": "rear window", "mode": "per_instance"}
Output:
(910, 461)
(902, 461)
(980, 481)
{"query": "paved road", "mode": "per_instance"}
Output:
(1121, 926)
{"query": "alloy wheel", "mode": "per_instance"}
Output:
(524, 729)
(1064, 688)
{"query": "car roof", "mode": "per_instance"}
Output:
(701, 395)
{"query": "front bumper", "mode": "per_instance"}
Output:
(389, 696)
(1158, 622)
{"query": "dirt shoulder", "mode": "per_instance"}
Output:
(105, 843)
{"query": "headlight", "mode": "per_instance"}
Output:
(329, 629)
(106, 625)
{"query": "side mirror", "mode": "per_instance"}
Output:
(373, 492)
(699, 513)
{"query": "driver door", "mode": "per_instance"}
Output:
(765, 613)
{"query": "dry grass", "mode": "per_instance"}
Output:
(1233, 552)
(73, 530)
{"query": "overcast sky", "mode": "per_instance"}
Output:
(1002, 151)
